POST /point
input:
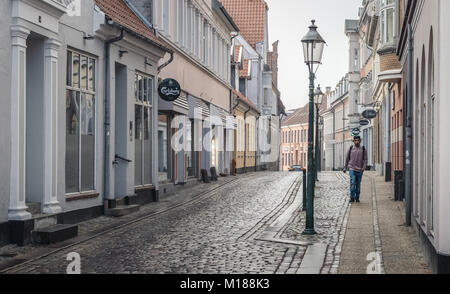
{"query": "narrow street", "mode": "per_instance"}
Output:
(246, 224)
(207, 235)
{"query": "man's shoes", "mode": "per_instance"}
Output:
(351, 200)
(357, 201)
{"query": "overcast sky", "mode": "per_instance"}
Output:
(288, 22)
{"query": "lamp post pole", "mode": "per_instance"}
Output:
(317, 167)
(309, 229)
(313, 45)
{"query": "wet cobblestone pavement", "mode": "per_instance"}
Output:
(331, 209)
(204, 236)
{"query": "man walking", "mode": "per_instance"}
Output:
(356, 163)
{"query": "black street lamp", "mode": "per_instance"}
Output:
(318, 96)
(313, 45)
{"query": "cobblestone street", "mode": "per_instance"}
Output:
(251, 223)
(204, 236)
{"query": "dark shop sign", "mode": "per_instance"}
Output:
(169, 90)
(355, 132)
(364, 122)
(369, 114)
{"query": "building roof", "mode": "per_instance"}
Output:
(238, 53)
(244, 99)
(281, 107)
(121, 13)
(300, 116)
(250, 17)
(245, 72)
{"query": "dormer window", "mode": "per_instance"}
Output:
(387, 14)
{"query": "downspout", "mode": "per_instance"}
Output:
(343, 133)
(408, 153)
(245, 144)
(106, 180)
(334, 138)
(166, 63)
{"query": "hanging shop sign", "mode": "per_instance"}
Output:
(355, 132)
(364, 122)
(169, 90)
(369, 114)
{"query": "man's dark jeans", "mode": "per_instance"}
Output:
(355, 184)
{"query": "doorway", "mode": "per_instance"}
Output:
(34, 113)
(121, 132)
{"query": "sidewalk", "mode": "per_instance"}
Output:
(376, 239)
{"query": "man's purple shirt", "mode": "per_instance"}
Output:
(355, 160)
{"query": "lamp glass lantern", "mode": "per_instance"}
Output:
(313, 45)
(318, 96)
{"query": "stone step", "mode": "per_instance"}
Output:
(34, 208)
(54, 234)
(122, 210)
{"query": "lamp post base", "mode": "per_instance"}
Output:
(309, 232)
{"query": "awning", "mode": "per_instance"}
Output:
(193, 103)
(180, 105)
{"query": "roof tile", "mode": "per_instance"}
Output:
(250, 17)
(120, 13)
(241, 97)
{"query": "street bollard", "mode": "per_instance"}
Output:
(398, 185)
(304, 189)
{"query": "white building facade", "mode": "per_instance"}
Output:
(65, 151)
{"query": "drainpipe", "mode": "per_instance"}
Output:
(166, 63)
(408, 155)
(256, 141)
(107, 150)
(245, 144)
(334, 138)
(343, 133)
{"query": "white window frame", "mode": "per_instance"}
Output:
(385, 7)
(180, 25)
(145, 104)
(87, 91)
(205, 46)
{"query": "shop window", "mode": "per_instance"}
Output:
(163, 123)
(80, 123)
(142, 122)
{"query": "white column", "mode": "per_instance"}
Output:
(17, 207)
(51, 204)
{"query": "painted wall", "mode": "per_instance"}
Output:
(197, 82)
(435, 213)
(5, 110)
(71, 36)
(442, 63)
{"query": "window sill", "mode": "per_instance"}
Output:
(81, 196)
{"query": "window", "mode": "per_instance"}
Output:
(387, 21)
(190, 148)
(142, 123)
(80, 123)
(163, 123)
(213, 53)
(181, 22)
(205, 42)
(189, 27)
(196, 33)
(266, 96)
(166, 17)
